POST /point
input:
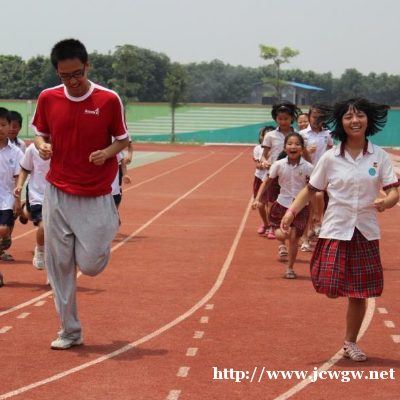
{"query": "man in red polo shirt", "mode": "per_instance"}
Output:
(75, 125)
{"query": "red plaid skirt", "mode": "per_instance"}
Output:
(273, 191)
(300, 222)
(256, 185)
(347, 268)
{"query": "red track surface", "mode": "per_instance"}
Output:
(181, 232)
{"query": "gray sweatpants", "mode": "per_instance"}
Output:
(78, 233)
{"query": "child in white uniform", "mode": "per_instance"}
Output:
(33, 164)
(293, 173)
(318, 140)
(10, 208)
(260, 173)
(346, 261)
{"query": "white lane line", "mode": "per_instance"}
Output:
(204, 320)
(389, 324)
(396, 338)
(167, 172)
(209, 306)
(117, 246)
(382, 310)
(176, 321)
(40, 303)
(23, 315)
(5, 329)
(173, 395)
(191, 351)
(183, 372)
(301, 385)
(198, 335)
(24, 234)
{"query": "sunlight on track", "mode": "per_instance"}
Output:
(50, 292)
(301, 385)
(176, 321)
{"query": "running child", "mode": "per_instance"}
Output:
(33, 164)
(346, 261)
(258, 178)
(293, 173)
(10, 208)
(15, 128)
(318, 140)
(302, 121)
(284, 114)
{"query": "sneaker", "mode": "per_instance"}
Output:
(38, 259)
(262, 229)
(283, 251)
(271, 234)
(63, 343)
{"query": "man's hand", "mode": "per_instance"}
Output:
(98, 157)
(45, 151)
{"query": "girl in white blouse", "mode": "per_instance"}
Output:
(346, 261)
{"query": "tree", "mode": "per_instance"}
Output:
(139, 73)
(279, 57)
(176, 84)
(12, 71)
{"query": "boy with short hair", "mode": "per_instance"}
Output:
(75, 123)
(10, 208)
(32, 164)
(15, 127)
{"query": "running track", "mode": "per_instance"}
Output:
(190, 287)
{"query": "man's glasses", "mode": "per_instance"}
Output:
(76, 75)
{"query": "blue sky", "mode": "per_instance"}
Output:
(331, 36)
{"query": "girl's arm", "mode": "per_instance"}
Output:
(302, 199)
(306, 155)
(17, 209)
(391, 199)
(128, 158)
(265, 156)
(261, 190)
(20, 183)
(125, 177)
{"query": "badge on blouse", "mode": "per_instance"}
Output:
(372, 171)
(301, 173)
(375, 165)
(11, 162)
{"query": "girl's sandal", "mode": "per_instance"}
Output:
(290, 274)
(352, 351)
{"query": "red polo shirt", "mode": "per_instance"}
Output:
(78, 126)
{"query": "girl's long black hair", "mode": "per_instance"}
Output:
(332, 114)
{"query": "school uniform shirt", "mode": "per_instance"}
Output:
(275, 141)
(78, 126)
(321, 140)
(352, 186)
(291, 178)
(21, 144)
(257, 154)
(38, 168)
(10, 157)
